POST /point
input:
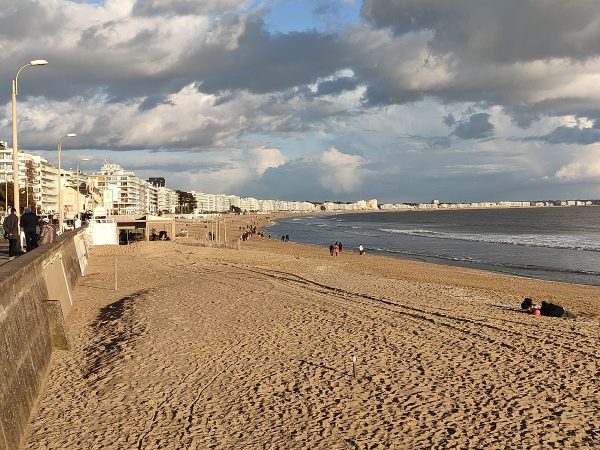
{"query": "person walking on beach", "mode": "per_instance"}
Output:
(340, 246)
(361, 249)
(336, 249)
(29, 222)
(11, 231)
(331, 250)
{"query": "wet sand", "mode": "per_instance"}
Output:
(252, 349)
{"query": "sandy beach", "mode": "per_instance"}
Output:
(211, 348)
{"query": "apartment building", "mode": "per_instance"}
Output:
(168, 200)
(36, 174)
(123, 192)
(214, 202)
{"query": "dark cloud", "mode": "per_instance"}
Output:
(285, 181)
(439, 142)
(153, 101)
(523, 117)
(184, 7)
(477, 126)
(449, 120)
(504, 31)
(571, 135)
(382, 95)
(264, 63)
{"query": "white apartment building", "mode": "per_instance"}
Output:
(168, 200)
(360, 205)
(214, 202)
(249, 204)
(36, 174)
(123, 192)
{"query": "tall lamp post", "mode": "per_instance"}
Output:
(15, 92)
(81, 159)
(60, 205)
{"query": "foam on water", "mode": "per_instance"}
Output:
(527, 240)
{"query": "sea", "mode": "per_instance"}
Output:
(558, 243)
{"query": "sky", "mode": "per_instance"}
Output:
(398, 100)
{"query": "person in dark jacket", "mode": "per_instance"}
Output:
(11, 231)
(29, 222)
(552, 310)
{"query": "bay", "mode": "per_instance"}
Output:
(560, 244)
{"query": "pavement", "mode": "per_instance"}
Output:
(3, 251)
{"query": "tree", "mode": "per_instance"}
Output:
(7, 188)
(187, 202)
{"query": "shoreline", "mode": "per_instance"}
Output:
(499, 266)
(582, 299)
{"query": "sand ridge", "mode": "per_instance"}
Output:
(252, 348)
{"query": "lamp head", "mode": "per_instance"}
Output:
(38, 62)
(71, 135)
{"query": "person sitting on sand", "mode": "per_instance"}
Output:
(527, 304)
(545, 309)
(552, 310)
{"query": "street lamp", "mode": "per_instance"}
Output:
(60, 206)
(81, 159)
(15, 91)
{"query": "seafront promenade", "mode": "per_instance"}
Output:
(253, 348)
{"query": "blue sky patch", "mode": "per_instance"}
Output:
(288, 16)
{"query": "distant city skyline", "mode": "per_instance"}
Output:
(399, 100)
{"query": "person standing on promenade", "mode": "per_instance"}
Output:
(29, 222)
(46, 232)
(11, 231)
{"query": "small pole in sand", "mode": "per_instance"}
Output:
(224, 230)
(354, 366)
(115, 273)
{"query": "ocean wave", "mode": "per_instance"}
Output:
(489, 264)
(526, 240)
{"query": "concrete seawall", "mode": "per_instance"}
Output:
(35, 298)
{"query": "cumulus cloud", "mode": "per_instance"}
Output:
(586, 169)
(329, 174)
(339, 171)
(265, 158)
(412, 79)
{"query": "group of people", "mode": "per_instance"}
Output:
(545, 309)
(161, 236)
(336, 248)
(37, 231)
